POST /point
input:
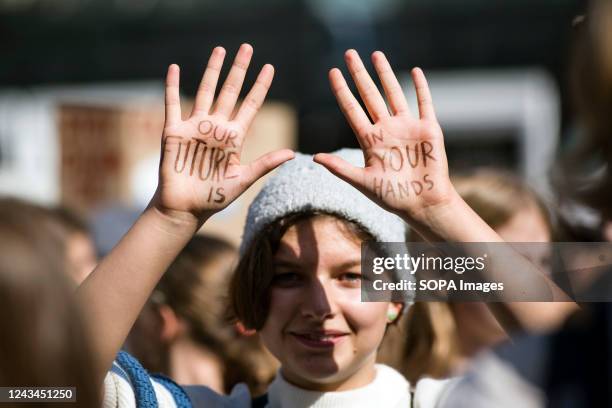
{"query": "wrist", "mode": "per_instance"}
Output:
(451, 203)
(430, 208)
(177, 218)
(174, 221)
(433, 220)
(452, 220)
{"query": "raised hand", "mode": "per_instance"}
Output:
(200, 171)
(406, 172)
(406, 169)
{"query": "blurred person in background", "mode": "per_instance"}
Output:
(37, 221)
(438, 339)
(43, 341)
(573, 366)
(70, 234)
(183, 330)
(79, 246)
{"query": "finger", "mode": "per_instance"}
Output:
(256, 96)
(265, 164)
(173, 99)
(342, 169)
(349, 105)
(373, 100)
(393, 90)
(426, 108)
(233, 83)
(206, 91)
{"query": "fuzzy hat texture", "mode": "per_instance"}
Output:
(303, 185)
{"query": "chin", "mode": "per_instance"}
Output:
(319, 369)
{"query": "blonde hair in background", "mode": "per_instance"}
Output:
(426, 343)
(498, 195)
(423, 343)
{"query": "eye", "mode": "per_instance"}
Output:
(286, 279)
(350, 278)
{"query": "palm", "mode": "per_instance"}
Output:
(403, 168)
(200, 169)
(405, 161)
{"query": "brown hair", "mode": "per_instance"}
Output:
(424, 343)
(59, 223)
(70, 220)
(43, 342)
(36, 221)
(195, 287)
(584, 173)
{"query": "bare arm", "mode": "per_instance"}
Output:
(200, 174)
(406, 172)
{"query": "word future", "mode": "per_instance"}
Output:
(208, 163)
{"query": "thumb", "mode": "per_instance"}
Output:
(341, 168)
(265, 164)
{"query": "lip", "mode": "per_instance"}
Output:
(319, 339)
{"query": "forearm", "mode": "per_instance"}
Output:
(451, 221)
(199, 175)
(113, 295)
(456, 222)
(406, 172)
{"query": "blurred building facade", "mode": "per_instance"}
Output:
(497, 70)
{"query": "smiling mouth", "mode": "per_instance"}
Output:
(319, 339)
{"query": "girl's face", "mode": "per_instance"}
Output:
(526, 227)
(324, 336)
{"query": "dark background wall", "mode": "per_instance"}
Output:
(81, 41)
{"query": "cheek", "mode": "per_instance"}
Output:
(366, 318)
(283, 302)
(282, 308)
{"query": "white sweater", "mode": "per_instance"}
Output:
(389, 390)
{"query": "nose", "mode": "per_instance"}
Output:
(318, 302)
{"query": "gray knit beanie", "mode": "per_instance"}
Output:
(303, 185)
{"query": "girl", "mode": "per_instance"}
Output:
(307, 306)
(298, 285)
